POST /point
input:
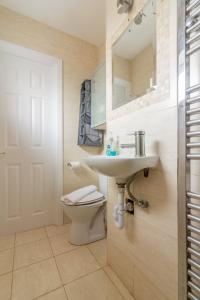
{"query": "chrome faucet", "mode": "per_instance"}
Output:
(139, 143)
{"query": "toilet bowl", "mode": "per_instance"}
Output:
(88, 221)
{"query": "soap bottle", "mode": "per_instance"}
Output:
(117, 145)
(109, 147)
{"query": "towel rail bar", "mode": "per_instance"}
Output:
(193, 111)
(193, 218)
(193, 206)
(193, 100)
(195, 12)
(192, 5)
(193, 89)
(193, 122)
(194, 286)
(192, 50)
(193, 252)
(193, 263)
(193, 134)
(193, 156)
(192, 297)
(193, 195)
(194, 27)
(194, 275)
(193, 145)
(193, 229)
(193, 241)
(193, 39)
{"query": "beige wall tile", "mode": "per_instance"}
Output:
(58, 294)
(6, 261)
(99, 250)
(94, 286)
(143, 289)
(35, 280)
(30, 236)
(75, 264)
(60, 244)
(7, 242)
(117, 282)
(31, 253)
(5, 286)
(124, 268)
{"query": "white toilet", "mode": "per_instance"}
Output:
(88, 220)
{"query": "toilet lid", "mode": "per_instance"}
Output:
(89, 199)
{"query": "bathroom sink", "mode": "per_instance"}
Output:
(120, 166)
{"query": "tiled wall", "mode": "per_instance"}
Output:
(144, 253)
(79, 62)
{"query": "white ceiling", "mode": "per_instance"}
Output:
(138, 37)
(81, 18)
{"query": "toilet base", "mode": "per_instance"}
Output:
(85, 233)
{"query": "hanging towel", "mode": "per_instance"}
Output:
(86, 135)
(79, 194)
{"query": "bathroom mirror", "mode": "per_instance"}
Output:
(134, 58)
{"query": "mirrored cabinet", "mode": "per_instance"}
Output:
(98, 98)
(134, 58)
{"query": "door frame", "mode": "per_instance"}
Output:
(39, 57)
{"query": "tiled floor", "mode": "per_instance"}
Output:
(42, 264)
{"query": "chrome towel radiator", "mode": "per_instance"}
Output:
(189, 148)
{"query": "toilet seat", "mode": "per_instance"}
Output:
(92, 198)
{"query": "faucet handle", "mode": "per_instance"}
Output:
(139, 132)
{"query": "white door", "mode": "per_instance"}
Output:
(28, 142)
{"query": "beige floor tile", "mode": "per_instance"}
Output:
(99, 251)
(35, 280)
(30, 236)
(95, 286)
(117, 282)
(6, 261)
(55, 295)
(53, 230)
(7, 242)
(60, 244)
(31, 253)
(5, 286)
(75, 264)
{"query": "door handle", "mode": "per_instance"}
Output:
(2, 153)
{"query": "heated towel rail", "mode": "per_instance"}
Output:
(189, 149)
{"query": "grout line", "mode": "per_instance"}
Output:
(94, 256)
(113, 282)
(27, 243)
(11, 292)
(31, 264)
(38, 297)
(82, 276)
(57, 266)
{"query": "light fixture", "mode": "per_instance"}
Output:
(124, 6)
(139, 17)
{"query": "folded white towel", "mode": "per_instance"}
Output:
(77, 195)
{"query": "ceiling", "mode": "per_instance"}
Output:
(81, 18)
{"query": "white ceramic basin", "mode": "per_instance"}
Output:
(120, 166)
